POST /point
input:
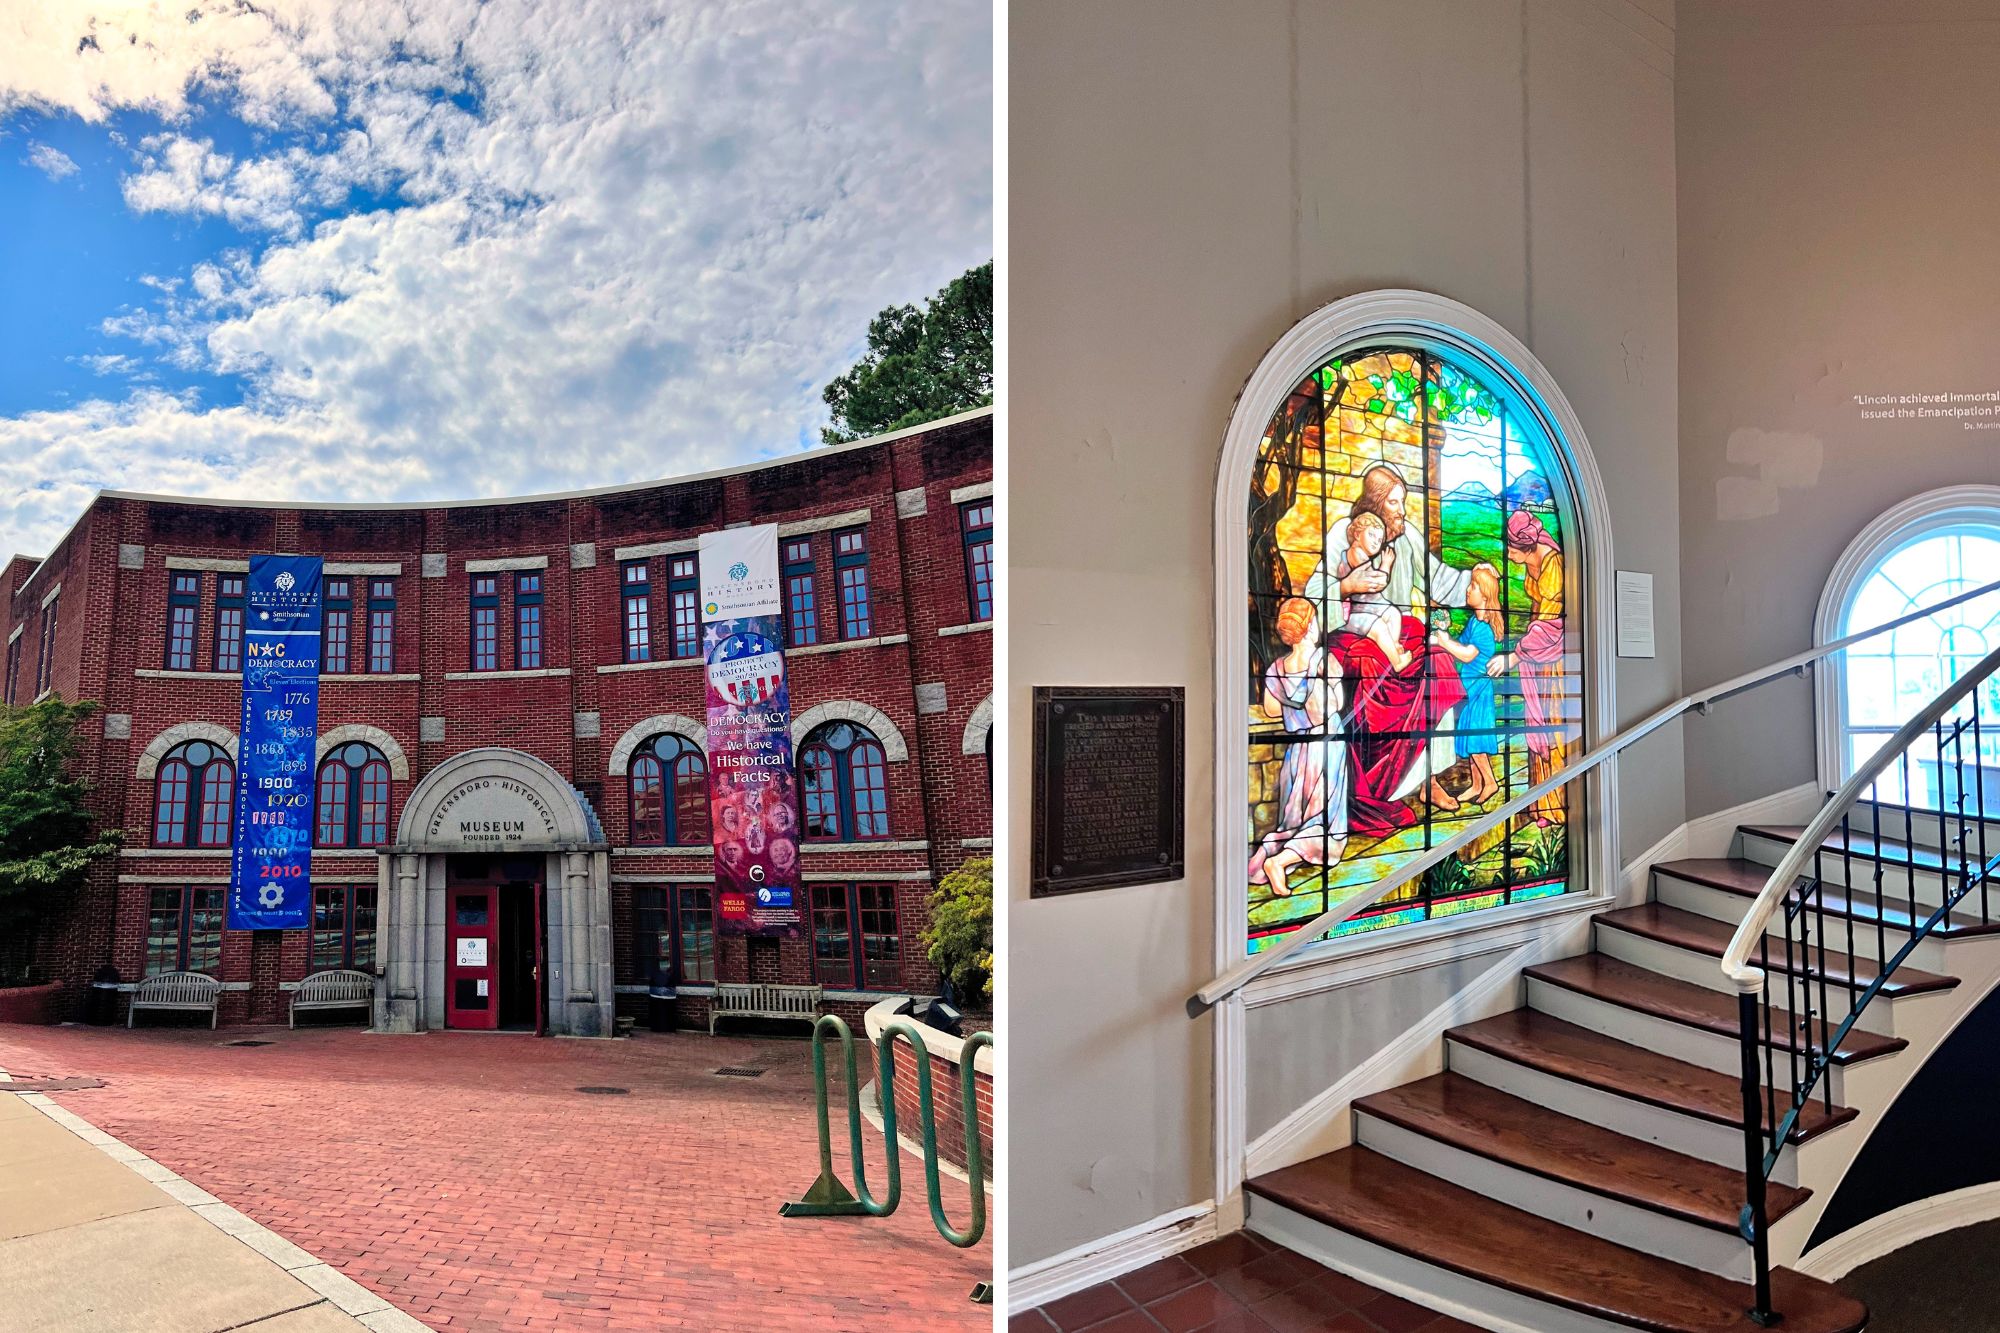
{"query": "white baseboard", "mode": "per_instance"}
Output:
(1890, 1232)
(1714, 834)
(1107, 1257)
(1634, 881)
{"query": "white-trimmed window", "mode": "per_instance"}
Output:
(1926, 551)
(1413, 626)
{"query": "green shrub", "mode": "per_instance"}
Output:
(960, 935)
(48, 837)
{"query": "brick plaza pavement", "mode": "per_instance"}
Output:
(462, 1177)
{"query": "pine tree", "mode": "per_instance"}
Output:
(921, 364)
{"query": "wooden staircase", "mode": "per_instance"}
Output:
(1579, 1164)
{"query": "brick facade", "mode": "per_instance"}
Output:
(924, 669)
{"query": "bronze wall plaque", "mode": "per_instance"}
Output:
(1108, 804)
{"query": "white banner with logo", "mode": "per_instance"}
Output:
(739, 573)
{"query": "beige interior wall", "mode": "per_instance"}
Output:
(1839, 171)
(1188, 180)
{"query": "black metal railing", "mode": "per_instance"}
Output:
(1847, 906)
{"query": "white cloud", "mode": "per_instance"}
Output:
(51, 162)
(110, 363)
(637, 243)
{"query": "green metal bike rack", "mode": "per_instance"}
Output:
(829, 1197)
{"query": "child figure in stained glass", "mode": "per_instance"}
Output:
(1477, 739)
(1538, 655)
(1371, 613)
(1312, 778)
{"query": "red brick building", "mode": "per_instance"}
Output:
(541, 643)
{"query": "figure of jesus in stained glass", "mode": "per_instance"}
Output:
(1411, 662)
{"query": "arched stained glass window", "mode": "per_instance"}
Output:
(1414, 658)
(1888, 678)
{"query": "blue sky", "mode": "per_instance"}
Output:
(359, 250)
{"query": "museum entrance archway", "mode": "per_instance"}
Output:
(499, 903)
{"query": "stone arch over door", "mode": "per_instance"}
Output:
(498, 802)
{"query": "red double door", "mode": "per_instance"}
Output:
(493, 956)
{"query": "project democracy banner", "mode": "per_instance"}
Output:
(752, 790)
(270, 882)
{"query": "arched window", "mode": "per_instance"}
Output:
(353, 800)
(194, 801)
(844, 781)
(1927, 551)
(1414, 657)
(669, 793)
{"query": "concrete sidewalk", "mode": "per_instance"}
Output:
(96, 1237)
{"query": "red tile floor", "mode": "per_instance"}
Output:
(1239, 1284)
(463, 1177)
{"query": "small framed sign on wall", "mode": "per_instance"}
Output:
(1108, 781)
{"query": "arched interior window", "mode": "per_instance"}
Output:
(194, 801)
(1885, 680)
(1414, 655)
(353, 801)
(669, 782)
(844, 778)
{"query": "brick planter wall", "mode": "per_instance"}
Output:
(32, 1004)
(947, 1091)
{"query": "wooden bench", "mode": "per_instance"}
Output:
(335, 988)
(187, 991)
(763, 1000)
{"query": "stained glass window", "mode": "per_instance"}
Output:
(1887, 679)
(1413, 661)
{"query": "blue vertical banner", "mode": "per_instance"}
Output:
(270, 882)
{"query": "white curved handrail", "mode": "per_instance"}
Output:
(1248, 970)
(1736, 966)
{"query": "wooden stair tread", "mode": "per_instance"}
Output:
(1534, 1039)
(1621, 983)
(1861, 844)
(1707, 936)
(1400, 1208)
(1471, 1116)
(1746, 879)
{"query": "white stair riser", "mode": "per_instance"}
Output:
(1686, 965)
(1721, 905)
(1839, 870)
(1650, 1032)
(1638, 1120)
(1621, 1223)
(1425, 1284)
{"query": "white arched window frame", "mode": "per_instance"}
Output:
(1954, 511)
(1417, 320)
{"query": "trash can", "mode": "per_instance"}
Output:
(663, 1009)
(100, 1006)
